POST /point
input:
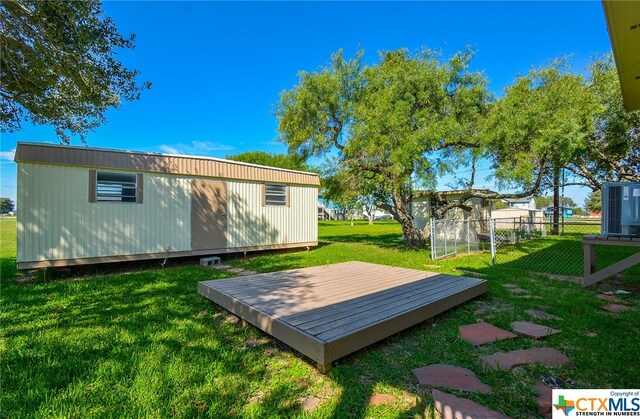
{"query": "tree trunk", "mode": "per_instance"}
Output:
(556, 201)
(352, 212)
(414, 237)
(370, 213)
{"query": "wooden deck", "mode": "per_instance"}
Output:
(327, 312)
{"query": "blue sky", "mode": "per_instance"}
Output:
(217, 68)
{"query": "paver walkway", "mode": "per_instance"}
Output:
(481, 333)
(504, 361)
(544, 400)
(532, 330)
(615, 308)
(452, 407)
(463, 379)
(457, 378)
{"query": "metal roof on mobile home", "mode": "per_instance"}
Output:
(158, 163)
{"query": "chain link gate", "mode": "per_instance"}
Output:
(452, 236)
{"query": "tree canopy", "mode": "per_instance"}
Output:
(284, 161)
(538, 126)
(612, 150)
(390, 123)
(59, 66)
(593, 202)
(408, 119)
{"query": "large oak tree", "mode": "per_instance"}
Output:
(402, 121)
(59, 66)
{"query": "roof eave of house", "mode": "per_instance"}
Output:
(201, 166)
(623, 23)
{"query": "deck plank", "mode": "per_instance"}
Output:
(326, 312)
(322, 295)
(339, 311)
(334, 330)
(380, 309)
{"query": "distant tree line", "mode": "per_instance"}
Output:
(6, 205)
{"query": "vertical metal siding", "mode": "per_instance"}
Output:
(56, 221)
(251, 224)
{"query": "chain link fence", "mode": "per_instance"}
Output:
(525, 243)
(540, 245)
(452, 236)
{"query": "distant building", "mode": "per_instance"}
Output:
(423, 205)
(528, 202)
(565, 212)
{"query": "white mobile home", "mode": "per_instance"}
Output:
(80, 205)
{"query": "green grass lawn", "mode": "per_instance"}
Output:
(137, 340)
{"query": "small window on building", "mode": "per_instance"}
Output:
(276, 195)
(116, 187)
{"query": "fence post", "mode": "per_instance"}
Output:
(455, 237)
(492, 239)
(446, 230)
(433, 241)
(519, 230)
(468, 236)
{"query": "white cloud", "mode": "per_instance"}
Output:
(211, 146)
(7, 155)
(195, 148)
(168, 149)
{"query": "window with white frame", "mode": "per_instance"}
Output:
(116, 187)
(276, 195)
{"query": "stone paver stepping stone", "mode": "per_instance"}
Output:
(591, 334)
(545, 356)
(515, 289)
(533, 330)
(481, 333)
(539, 314)
(615, 308)
(235, 270)
(220, 266)
(452, 407)
(544, 401)
(457, 378)
(609, 298)
(378, 399)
